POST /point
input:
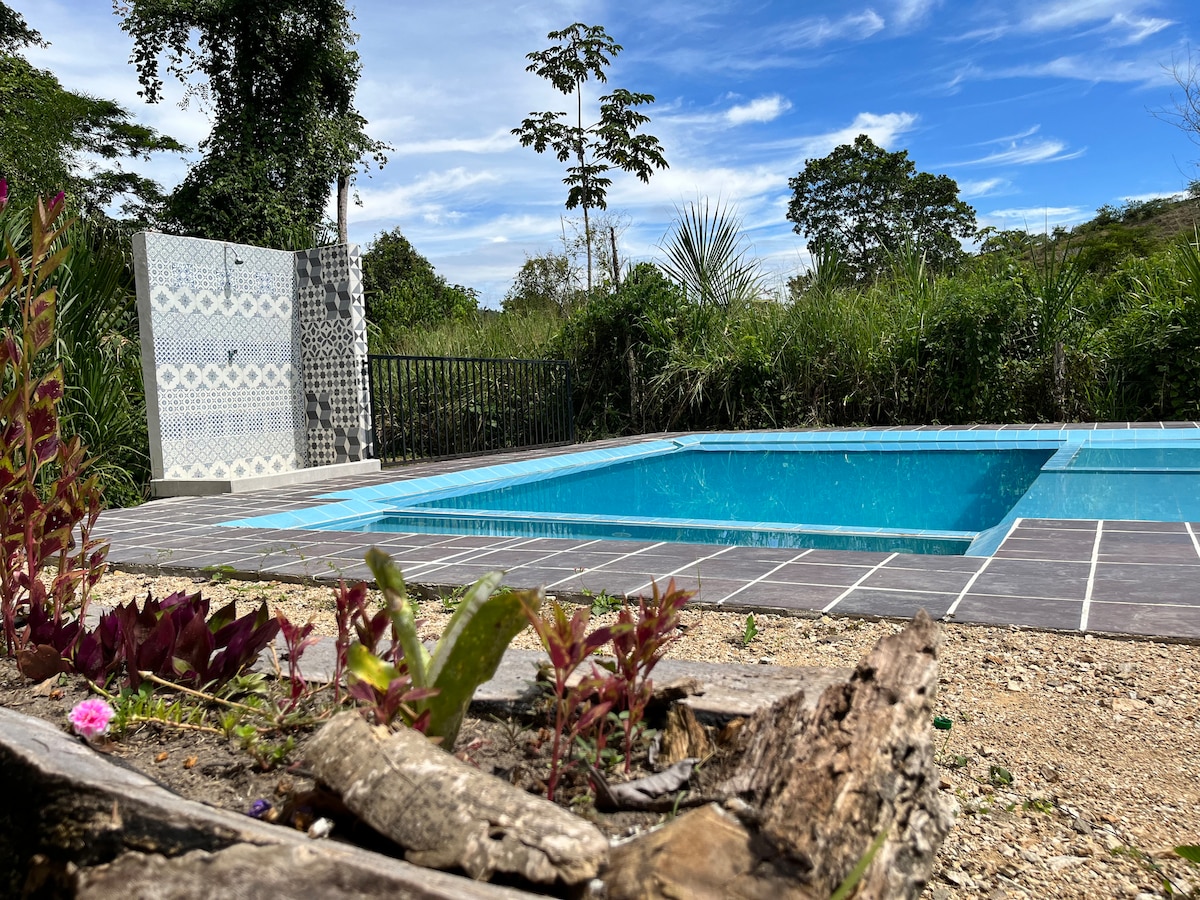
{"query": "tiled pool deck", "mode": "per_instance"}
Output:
(1136, 578)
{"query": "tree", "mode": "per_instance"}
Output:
(707, 255)
(47, 132)
(1184, 113)
(546, 282)
(865, 203)
(402, 290)
(583, 52)
(280, 77)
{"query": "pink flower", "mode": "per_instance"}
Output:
(3, 193)
(90, 718)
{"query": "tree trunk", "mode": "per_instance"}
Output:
(343, 207)
(616, 265)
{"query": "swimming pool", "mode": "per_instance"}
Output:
(917, 491)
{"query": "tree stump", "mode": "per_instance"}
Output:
(815, 791)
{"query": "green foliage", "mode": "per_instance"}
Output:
(47, 133)
(278, 79)
(486, 334)
(545, 283)
(583, 52)
(49, 502)
(435, 689)
(749, 630)
(616, 692)
(707, 255)
(864, 202)
(403, 291)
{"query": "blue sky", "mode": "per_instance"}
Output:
(1039, 109)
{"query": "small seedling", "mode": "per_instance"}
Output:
(750, 630)
(219, 574)
(998, 776)
(603, 602)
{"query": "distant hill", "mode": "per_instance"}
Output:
(1136, 228)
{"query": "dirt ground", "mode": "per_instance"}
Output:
(1072, 760)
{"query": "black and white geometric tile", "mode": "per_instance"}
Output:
(253, 359)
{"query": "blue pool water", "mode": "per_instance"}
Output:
(909, 491)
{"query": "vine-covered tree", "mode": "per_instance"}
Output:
(583, 52)
(864, 204)
(52, 139)
(278, 77)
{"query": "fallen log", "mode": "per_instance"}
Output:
(447, 814)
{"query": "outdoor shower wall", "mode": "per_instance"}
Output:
(252, 358)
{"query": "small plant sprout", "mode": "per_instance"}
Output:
(90, 718)
(750, 630)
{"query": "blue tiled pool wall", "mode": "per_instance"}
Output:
(1059, 492)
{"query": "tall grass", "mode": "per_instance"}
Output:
(513, 335)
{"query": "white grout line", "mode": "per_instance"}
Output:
(846, 593)
(588, 571)
(949, 614)
(1091, 582)
(1191, 532)
(764, 576)
(681, 569)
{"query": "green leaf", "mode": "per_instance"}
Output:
(471, 648)
(366, 666)
(1190, 852)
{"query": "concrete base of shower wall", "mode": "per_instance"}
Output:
(203, 487)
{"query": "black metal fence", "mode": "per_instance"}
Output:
(433, 407)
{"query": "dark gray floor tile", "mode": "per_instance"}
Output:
(1028, 578)
(787, 596)
(917, 580)
(813, 573)
(1061, 615)
(1123, 583)
(893, 604)
(1128, 618)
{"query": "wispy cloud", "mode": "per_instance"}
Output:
(762, 109)
(499, 141)
(1035, 219)
(884, 129)
(819, 30)
(986, 187)
(912, 12)
(1024, 153)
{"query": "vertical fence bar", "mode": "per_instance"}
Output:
(426, 407)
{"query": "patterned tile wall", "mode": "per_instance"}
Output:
(333, 353)
(252, 358)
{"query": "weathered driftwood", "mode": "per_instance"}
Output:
(447, 814)
(66, 808)
(267, 873)
(817, 789)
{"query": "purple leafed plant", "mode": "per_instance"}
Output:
(297, 639)
(620, 685)
(49, 502)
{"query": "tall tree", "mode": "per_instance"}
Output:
(583, 52)
(52, 139)
(864, 204)
(403, 291)
(279, 78)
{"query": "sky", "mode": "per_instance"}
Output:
(1041, 110)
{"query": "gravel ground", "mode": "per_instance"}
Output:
(1072, 759)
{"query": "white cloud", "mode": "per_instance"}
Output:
(820, 30)
(1138, 29)
(983, 188)
(499, 141)
(1034, 219)
(1024, 153)
(762, 109)
(883, 129)
(910, 12)
(1154, 195)
(429, 197)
